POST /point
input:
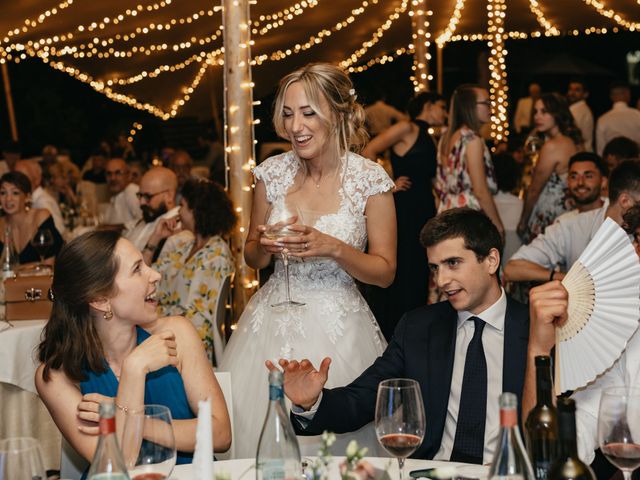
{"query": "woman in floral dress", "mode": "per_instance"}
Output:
(546, 197)
(195, 262)
(465, 176)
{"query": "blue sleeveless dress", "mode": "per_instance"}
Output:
(162, 387)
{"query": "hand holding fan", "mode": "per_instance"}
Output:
(604, 308)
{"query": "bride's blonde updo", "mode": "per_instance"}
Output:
(323, 80)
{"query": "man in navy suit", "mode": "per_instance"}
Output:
(463, 352)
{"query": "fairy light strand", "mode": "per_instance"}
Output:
(549, 28)
(498, 91)
(452, 25)
(612, 15)
(421, 38)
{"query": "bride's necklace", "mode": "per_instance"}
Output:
(316, 182)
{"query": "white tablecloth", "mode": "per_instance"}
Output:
(18, 353)
(243, 468)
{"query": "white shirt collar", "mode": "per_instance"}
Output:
(494, 315)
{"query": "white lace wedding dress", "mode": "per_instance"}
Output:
(334, 322)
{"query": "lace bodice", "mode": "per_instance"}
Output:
(361, 178)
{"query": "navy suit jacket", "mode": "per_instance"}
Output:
(422, 348)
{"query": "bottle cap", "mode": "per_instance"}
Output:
(275, 377)
(543, 361)
(567, 405)
(508, 409)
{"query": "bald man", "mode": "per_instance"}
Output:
(40, 198)
(157, 198)
(123, 204)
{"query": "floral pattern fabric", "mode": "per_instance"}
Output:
(190, 286)
(453, 183)
(552, 202)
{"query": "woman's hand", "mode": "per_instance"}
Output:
(310, 243)
(164, 229)
(274, 245)
(88, 412)
(402, 184)
(154, 353)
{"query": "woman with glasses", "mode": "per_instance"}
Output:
(465, 176)
(546, 196)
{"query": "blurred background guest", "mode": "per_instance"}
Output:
(11, 153)
(136, 170)
(523, 118)
(509, 205)
(25, 221)
(618, 150)
(40, 198)
(61, 185)
(621, 120)
(465, 175)
(380, 115)
(123, 205)
(546, 196)
(195, 262)
(181, 163)
(577, 94)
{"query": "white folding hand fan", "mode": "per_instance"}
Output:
(604, 308)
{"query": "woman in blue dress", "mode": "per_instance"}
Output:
(104, 341)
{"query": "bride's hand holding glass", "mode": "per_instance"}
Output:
(305, 241)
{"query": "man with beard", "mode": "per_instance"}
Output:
(157, 197)
(586, 179)
(123, 205)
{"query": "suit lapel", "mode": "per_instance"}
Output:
(441, 350)
(516, 336)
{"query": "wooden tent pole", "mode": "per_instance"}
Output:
(239, 145)
(439, 68)
(421, 42)
(7, 92)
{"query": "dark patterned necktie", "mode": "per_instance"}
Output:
(468, 445)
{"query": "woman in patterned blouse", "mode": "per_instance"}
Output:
(195, 262)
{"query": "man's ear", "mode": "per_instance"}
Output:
(626, 201)
(493, 260)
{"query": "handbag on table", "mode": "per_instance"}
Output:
(27, 297)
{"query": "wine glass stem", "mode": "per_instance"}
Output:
(401, 468)
(285, 261)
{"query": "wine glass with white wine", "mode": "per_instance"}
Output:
(281, 215)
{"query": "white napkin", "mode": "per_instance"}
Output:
(203, 455)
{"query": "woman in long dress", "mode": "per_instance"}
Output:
(465, 176)
(346, 205)
(546, 197)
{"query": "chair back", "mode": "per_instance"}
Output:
(224, 380)
(219, 332)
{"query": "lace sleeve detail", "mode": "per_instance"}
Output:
(277, 174)
(364, 179)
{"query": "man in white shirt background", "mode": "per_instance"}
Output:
(123, 205)
(523, 118)
(40, 198)
(621, 120)
(577, 95)
(157, 198)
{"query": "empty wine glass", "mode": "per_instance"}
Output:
(400, 419)
(281, 215)
(42, 242)
(619, 428)
(148, 443)
(21, 459)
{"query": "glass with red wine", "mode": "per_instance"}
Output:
(148, 443)
(619, 428)
(400, 419)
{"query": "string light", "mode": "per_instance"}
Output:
(452, 25)
(611, 14)
(39, 20)
(375, 38)
(134, 129)
(496, 12)
(386, 58)
(549, 28)
(421, 41)
(278, 19)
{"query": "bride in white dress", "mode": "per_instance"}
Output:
(346, 205)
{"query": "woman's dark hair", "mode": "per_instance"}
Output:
(479, 233)
(212, 209)
(417, 103)
(508, 172)
(18, 179)
(557, 105)
(85, 271)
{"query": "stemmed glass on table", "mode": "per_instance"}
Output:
(21, 459)
(400, 419)
(148, 443)
(281, 215)
(619, 428)
(42, 242)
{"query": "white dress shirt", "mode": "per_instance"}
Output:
(620, 121)
(493, 344)
(509, 209)
(138, 232)
(381, 116)
(522, 118)
(124, 207)
(40, 198)
(584, 121)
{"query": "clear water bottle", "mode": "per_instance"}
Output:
(510, 461)
(9, 255)
(108, 462)
(278, 456)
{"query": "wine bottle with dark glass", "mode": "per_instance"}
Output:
(542, 423)
(568, 465)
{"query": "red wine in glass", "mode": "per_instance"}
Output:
(625, 456)
(400, 444)
(150, 476)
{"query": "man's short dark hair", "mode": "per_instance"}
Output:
(590, 157)
(479, 233)
(622, 148)
(508, 172)
(624, 178)
(631, 219)
(416, 104)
